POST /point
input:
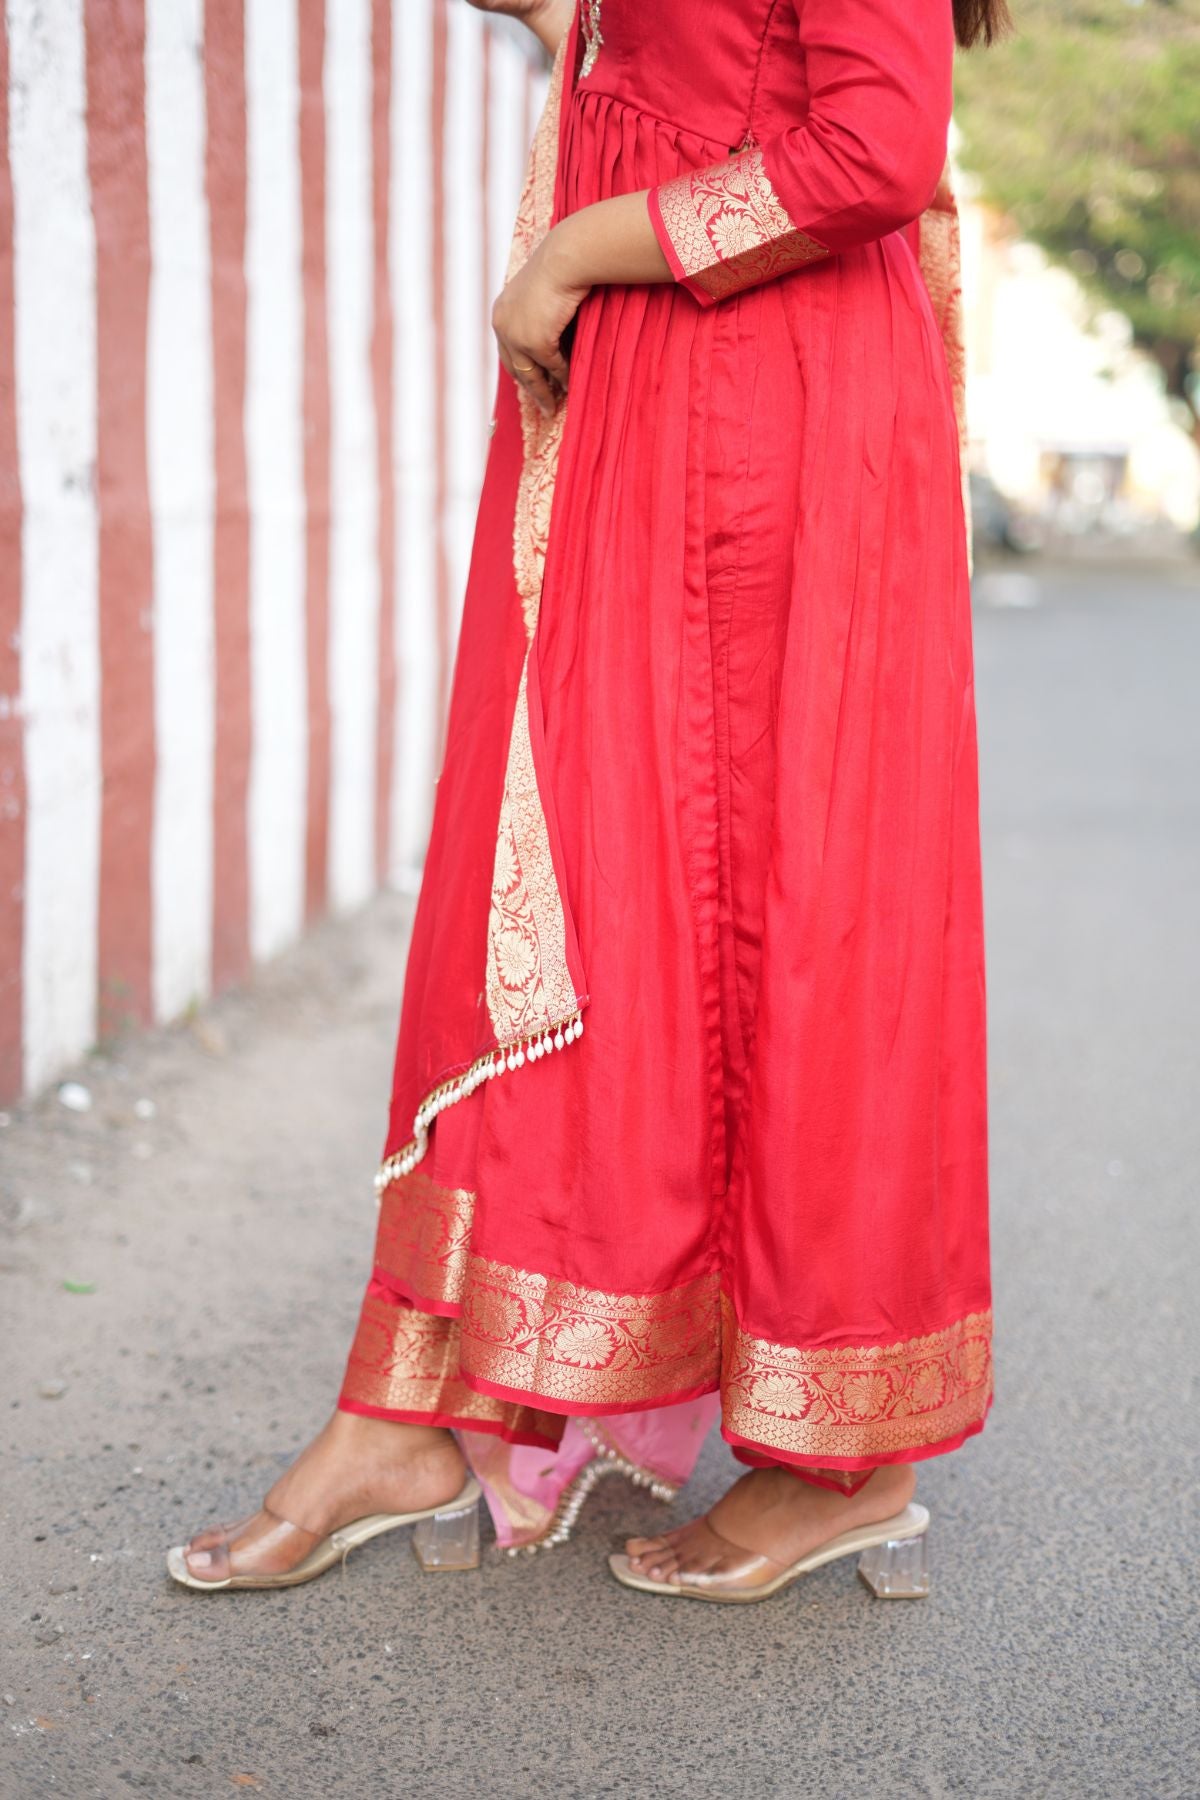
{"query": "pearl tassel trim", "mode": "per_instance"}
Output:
(606, 1461)
(484, 1068)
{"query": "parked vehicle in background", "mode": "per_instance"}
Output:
(998, 523)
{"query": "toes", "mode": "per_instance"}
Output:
(208, 1540)
(638, 1546)
(201, 1564)
(215, 1535)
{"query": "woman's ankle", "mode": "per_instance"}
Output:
(414, 1435)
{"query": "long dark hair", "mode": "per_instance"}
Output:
(978, 21)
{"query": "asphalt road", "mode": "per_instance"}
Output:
(225, 1237)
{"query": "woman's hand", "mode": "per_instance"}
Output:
(532, 314)
(547, 19)
(611, 241)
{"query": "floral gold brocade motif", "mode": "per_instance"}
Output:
(423, 1238)
(577, 1346)
(856, 1402)
(404, 1361)
(729, 229)
(529, 986)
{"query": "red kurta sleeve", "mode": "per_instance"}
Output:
(866, 160)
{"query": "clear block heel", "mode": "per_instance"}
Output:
(448, 1540)
(897, 1570)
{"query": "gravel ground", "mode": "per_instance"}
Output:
(215, 1204)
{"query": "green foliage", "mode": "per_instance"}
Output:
(1084, 126)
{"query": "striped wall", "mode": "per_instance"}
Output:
(247, 253)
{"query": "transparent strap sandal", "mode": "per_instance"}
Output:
(449, 1539)
(897, 1569)
(285, 1555)
(893, 1561)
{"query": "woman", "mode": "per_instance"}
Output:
(710, 786)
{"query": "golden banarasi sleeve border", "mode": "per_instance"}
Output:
(728, 229)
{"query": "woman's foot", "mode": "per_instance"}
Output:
(355, 1466)
(767, 1521)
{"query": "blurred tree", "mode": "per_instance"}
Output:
(1084, 126)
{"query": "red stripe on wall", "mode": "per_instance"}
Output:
(120, 203)
(225, 186)
(311, 14)
(437, 111)
(12, 756)
(382, 352)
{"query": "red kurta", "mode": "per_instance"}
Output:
(710, 785)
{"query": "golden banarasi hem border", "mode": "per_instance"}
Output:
(729, 229)
(572, 1345)
(844, 1402)
(404, 1361)
(423, 1240)
(554, 1340)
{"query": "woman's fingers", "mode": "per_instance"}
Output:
(537, 386)
(555, 365)
(530, 374)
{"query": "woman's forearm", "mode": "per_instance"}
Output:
(549, 21)
(611, 241)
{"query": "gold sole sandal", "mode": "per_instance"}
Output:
(445, 1537)
(893, 1561)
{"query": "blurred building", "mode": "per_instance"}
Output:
(1064, 415)
(247, 254)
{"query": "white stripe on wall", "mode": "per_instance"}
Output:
(55, 279)
(354, 475)
(507, 154)
(180, 445)
(411, 221)
(275, 477)
(466, 405)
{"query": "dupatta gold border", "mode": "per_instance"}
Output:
(531, 999)
(548, 1338)
(939, 248)
(529, 986)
